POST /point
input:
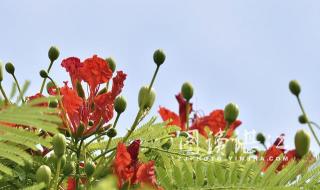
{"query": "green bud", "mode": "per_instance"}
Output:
(146, 98)
(231, 112)
(89, 168)
(43, 74)
(10, 68)
(69, 168)
(43, 174)
(230, 147)
(159, 57)
(80, 90)
(111, 64)
(80, 130)
(53, 103)
(1, 72)
(59, 144)
(102, 91)
(303, 119)
(120, 104)
(53, 53)
(261, 138)
(294, 87)
(112, 132)
(187, 91)
(302, 143)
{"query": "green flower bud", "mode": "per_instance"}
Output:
(80, 90)
(302, 143)
(111, 64)
(187, 91)
(10, 68)
(294, 87)
(120, 104)
(43, 74)
(1, 72)
(230, 147)
(43, 174)
(261, 138)
(146, 98)
(112, 133)
(167, 145)
(80, 130)
(53, 103)
(69, 168)
(102, 91)
(53, 53)
(303, 119)
(89, 168)
(59, 144)
(159, 57)
(231, 112)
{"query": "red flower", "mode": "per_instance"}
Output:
(274, 153)
(128, 169)
(72, 66)
(95, 71)
(214, 121)
(117, 83)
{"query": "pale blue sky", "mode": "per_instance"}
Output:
(240, 51)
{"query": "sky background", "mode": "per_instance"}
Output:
(231, 51)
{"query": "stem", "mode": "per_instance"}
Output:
(154, 77)
(4, 93)
(55, 180)
(20, 92)
(44, 80)
(78, 165)
(315, 124)
(187, 115)
(309, 124)
(133, 127)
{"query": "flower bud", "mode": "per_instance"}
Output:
(80, 130)
(112, 132)
(90, 123)
(59, 144)
(120, 104)
(159, 57)
(10, 68)
(53, 103)
(43, 174)
(231, 112)
(146, 98)
(89, 168)
(43, 74)
(111, 64)
(187, 91)
(1, 72)
(303, 119)
(294, 87)
(302, 143)
(53, 53)
(69, 168)
(80, 90)
(261, 138)
(230, 147)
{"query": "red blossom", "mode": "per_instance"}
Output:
(37, 96)
(95, 71)
(118, 83)
(72, 66)
(214, 121)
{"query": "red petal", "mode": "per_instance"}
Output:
(117, 83)
(166, 114)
